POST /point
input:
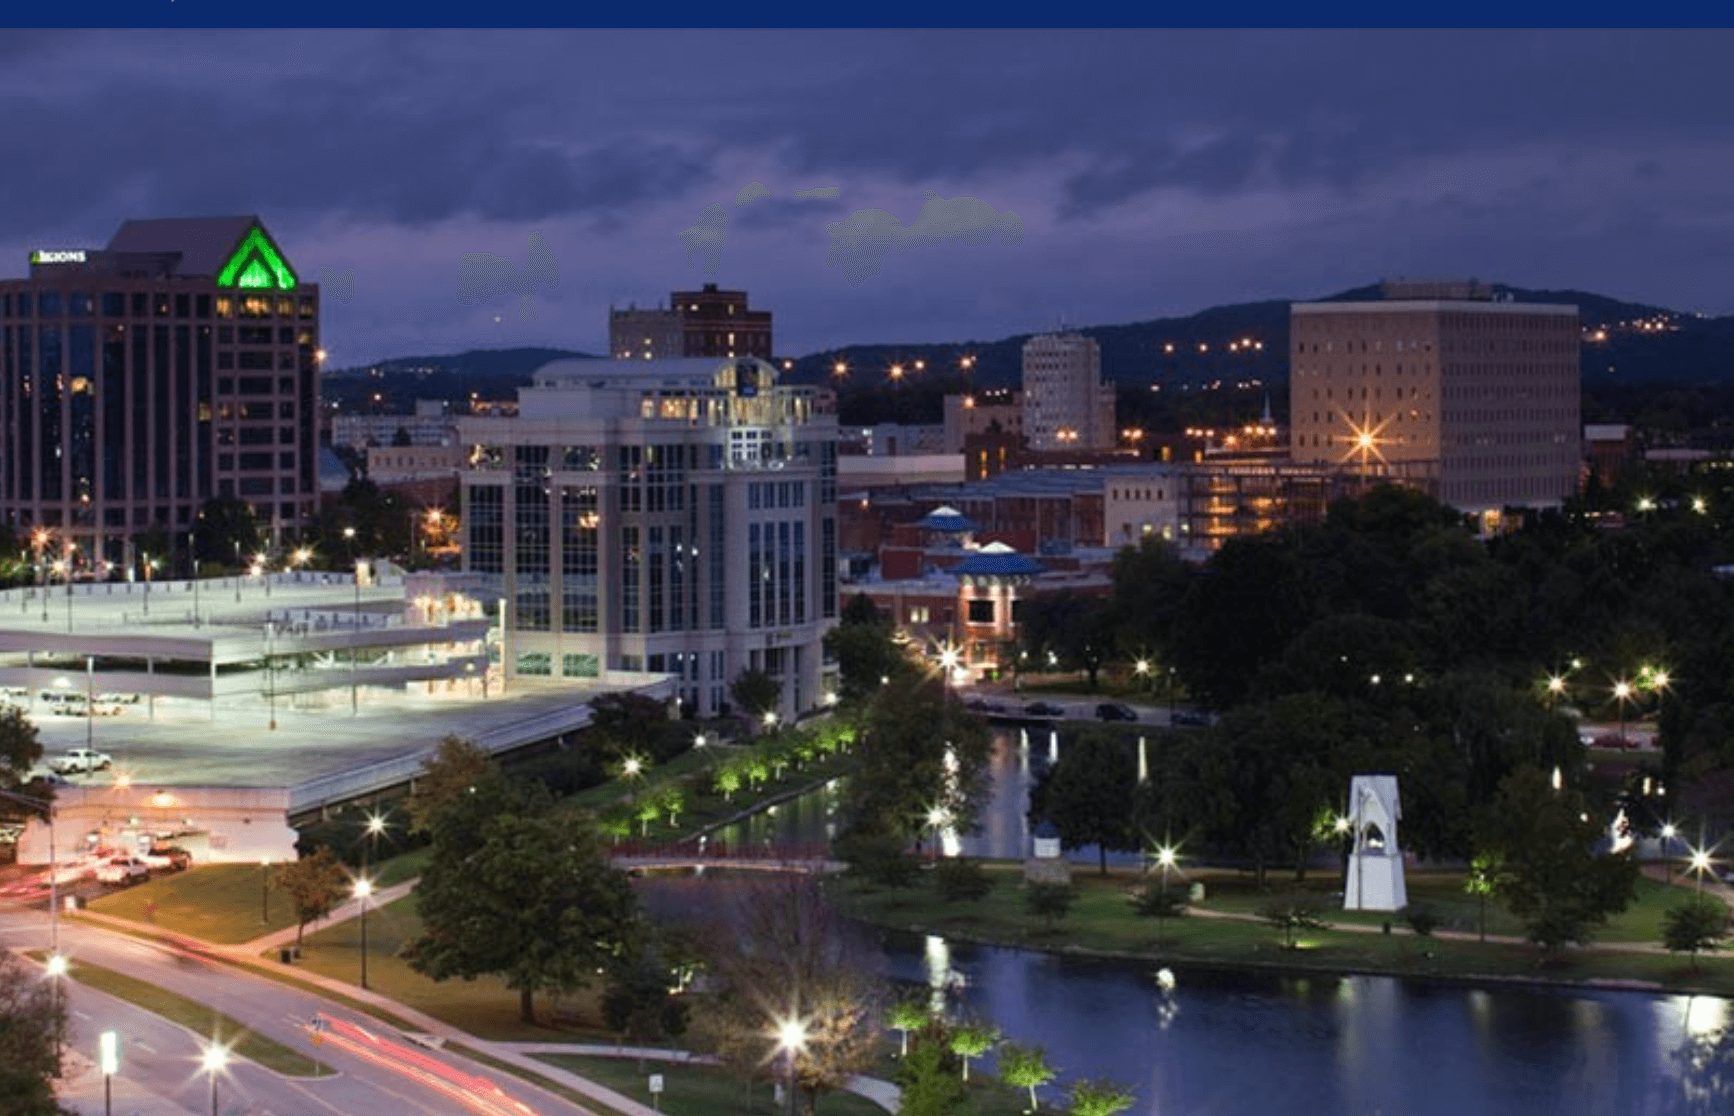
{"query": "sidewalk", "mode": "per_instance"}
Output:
(882, 1093)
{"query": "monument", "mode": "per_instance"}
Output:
(1376, 863)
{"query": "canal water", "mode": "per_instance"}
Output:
(1203, 1042)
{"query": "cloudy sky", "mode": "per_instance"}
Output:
(1104, 177)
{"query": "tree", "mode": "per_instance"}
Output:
(1025, 1067)
(1291, 914)
(1548, 873)
(31, 1019)
(1100, 1098)
(1483, 870)
(928, 1087)
(628, 722)
(921, 755)
(972, 1039)
(1078, 630)
(960, 878)
(534, 902)
(756, 692)
(911, 1013)
(865, 650)
(1089, 793)
(315, 885)
(637, 1002)
(780, 952)
(1698, 924)
(453, 771)
(19, 747)
(226, 530)
(1051, 901)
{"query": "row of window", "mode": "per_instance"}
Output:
(51, 303)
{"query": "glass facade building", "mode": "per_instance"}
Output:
(138, 381)
(673, 517)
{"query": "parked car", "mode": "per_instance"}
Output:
(1043, 709)
(81, 759)
(1613, 741)
(1191, 718)
(122, 870)
(167, 858)
(1114, 711)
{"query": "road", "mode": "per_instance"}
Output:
(160, 1061)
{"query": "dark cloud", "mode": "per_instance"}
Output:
(1244, 164)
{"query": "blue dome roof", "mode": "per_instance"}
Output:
(946, 519)
(997, 560)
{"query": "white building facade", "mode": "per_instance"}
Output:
(1066, 404)
(673, 517)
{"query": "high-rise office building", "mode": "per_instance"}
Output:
(1439, 377)
(1066, 403)
(702, 323)
(673, 517)
(139, 380)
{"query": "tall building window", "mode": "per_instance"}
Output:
(487, 528)
(718, 561)
(757, 573)
(629, 572)
(579, 528)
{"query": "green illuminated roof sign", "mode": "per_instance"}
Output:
(256, 265)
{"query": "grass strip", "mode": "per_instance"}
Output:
(199, 1019)
(583, 1101)
(695, 1089)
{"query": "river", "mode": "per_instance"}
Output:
(1224, 1043)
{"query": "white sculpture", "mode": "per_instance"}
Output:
(1376, 864)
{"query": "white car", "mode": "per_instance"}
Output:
(81, 759)
(122, 870)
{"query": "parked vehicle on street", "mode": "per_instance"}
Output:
(122, 870)
(1115, 711)
(1191, 718)
(1043, 709)
(80, 759)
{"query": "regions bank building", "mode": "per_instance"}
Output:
(138, 380)
(675, 517)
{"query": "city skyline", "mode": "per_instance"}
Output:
(885, 186)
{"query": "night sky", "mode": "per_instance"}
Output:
(1021, 177)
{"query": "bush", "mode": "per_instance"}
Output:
(880, 860)
(1422, 919)
(1290, 914)
(1152, 901)
(959, 878)
(1051, 901)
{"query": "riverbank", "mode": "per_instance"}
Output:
(1102, 923)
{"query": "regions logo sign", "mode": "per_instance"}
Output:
(51, 257)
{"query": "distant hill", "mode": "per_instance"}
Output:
(1195, 349)
(475, 362)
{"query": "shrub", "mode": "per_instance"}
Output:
(1290, 914)
(1422, 919)
(958, 878)
(880, 860)
(1152, 901)
(1051, 901)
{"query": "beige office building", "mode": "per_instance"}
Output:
(1066, 404)
(1439, 378)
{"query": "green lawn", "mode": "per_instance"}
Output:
(484, 1007)
(698, 1090)
(199, 1019)
(1102, 920)
(215, 903)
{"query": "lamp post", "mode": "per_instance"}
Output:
(791, 1040)
(1668, 832)
(216, 1057)
(264, 890)
(1622, 694)
(56, 969)
(237, 571)
(63, 567)
(90, 702)
(149, 564)
(193, 564)
(1700, 865)
(355, 564)
(1165, 859)
(375, 826)
(363, 888)
(39, 540)
(108, 1048)
(271, 671)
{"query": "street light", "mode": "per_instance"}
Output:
(355, 564)
(56, 969)
(363, 888)
(39, 540)
(1700, 864)
(375, 827)
(1668, 832)
(63, 567)
(264, 890)
(791, 1040)
(108, 1048)
(1622, 694)
(216, 1057)
(149, 564)
(1165, 860)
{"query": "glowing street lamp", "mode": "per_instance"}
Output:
(108, 1050)
(791, 1040)
(1700, 864)
(363, 889)
(1167, 856)
(354, 685)
(1668, 834)
(215, 1059)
